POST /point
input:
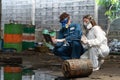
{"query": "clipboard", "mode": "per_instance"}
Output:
(48, 38)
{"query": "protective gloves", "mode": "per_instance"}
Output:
(84, 39)
(59, 40)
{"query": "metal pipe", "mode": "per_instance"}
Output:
(33, 12)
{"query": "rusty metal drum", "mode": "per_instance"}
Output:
(77, 68)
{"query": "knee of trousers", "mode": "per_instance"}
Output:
(76, 43)
(59, 51)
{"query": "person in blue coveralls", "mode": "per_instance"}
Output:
(67, 45)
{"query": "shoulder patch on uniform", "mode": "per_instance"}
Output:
(72, 28)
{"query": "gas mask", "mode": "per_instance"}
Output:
(88, 25)
(85, 24)
(64, 23)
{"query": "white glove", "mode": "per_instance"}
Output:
(84, 39)
(60, 40)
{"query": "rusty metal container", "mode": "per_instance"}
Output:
(77, 68)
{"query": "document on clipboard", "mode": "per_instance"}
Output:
(49, 43)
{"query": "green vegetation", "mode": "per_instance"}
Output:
(112, 10)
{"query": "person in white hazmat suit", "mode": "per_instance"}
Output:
(95, 41)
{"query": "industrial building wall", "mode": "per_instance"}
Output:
(18, 10)
(102, 19)
(46, 12)
(0, 10)
(114, 32)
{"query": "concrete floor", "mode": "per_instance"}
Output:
(110, 70)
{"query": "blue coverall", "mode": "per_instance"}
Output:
(72, 34)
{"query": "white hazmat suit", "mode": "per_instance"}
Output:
(97, 46)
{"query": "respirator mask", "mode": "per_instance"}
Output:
(64, 23)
